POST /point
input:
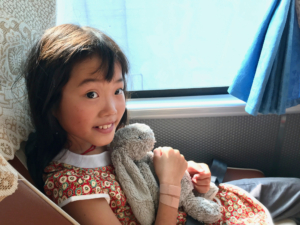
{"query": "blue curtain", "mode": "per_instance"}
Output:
(269, 77)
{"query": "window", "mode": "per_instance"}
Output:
(174, 45)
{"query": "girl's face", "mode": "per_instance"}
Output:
(91, 107)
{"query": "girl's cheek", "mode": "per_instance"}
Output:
(122, 106)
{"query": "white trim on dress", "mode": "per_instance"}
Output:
(84, 197)
(83, 161)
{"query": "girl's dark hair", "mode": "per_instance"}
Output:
(47, 70)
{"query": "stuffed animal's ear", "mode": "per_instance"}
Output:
(135, 187)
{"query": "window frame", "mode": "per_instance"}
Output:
(177, 92)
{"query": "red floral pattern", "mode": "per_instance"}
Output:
(240, 208)
(63, 181)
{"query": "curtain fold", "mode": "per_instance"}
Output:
(269, 77)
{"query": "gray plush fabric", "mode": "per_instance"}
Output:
(133, 162)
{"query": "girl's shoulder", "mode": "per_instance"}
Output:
(65, 182)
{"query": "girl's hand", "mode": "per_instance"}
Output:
(200, 175)
(169, 165)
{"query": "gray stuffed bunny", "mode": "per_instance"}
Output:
(133, 162)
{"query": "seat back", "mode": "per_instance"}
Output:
(25, 206)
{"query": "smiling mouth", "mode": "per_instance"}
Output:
(104, 127)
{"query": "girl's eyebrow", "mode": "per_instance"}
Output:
(89, 80)
(119, 80)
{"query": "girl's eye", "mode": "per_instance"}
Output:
(119, 91)
(92, 94)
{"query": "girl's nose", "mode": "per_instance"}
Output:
(108, 108)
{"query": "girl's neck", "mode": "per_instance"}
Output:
(96, 151)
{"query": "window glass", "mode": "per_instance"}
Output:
(174, 44)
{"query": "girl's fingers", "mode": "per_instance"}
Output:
(202, 176)
(205, 181)
(195, 178)
(201, 169)
(157, 152)
(195, 167)
(202, 188)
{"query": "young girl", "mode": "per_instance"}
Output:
(75, 78)
(76, 86)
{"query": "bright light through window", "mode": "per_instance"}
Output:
(174, 44)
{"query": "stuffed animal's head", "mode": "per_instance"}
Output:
(135, 140)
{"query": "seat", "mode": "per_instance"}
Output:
(27, 206)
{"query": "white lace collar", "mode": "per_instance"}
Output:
(83, 161)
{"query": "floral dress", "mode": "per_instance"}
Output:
(72, 177)
(240, 207)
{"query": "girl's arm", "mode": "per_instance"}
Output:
(170, 167)
(92, 212)
(98, 212)
(166, 215)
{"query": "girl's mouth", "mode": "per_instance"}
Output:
(105, 128)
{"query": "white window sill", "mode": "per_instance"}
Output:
(192, 106)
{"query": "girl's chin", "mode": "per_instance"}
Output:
(103, 142)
